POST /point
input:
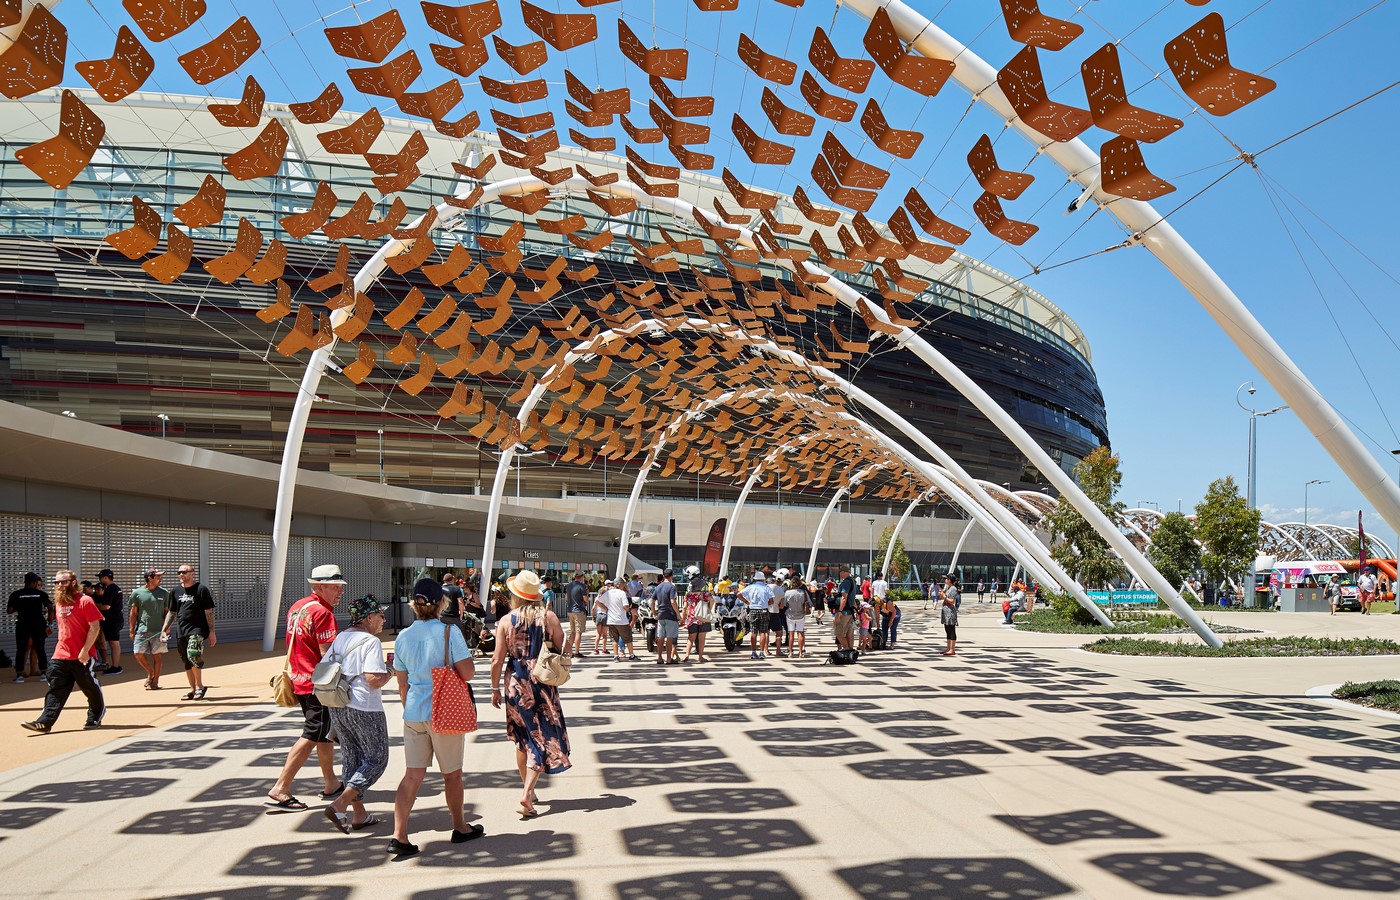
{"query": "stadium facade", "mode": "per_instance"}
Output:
(85, 332)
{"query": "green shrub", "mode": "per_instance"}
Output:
(905, 595)
(1379, 694)
(1265, 646)
(1068, 609)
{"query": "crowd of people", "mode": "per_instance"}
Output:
(91, 618)
(335, 676)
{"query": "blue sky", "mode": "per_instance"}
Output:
(1168, 375)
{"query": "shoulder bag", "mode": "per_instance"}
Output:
(282, 693)
(551, 667)
(454, 705)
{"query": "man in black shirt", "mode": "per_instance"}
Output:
(453, 594)
(33, 624)
(109, 601)
(191, 610)
(667, 619)
(576, 598)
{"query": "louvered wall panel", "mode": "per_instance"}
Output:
(31, 544)
(129, 547)
(366, 565)
(237, 576)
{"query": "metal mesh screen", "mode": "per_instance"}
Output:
(32, 544)
(129, 547)
(365, 564)
(237, 576)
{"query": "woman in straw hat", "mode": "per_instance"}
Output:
(534, 718)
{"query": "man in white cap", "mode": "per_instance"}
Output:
(311, 630)
(613, 601)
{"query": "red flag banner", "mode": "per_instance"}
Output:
(714, 547)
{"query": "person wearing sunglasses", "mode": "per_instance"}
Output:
(79, 624)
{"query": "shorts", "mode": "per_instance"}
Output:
(1366, 597)
(865, 632)
(667, 629)
(316, 719)
(758, 620)
(622, 633)
(600, 618)
(843, 626)
(149, 644)
(819, 605)
(703, 628)
(777, 621)
(191, 647)
(951, 631)
(112, 630)
(421, 744)
(576, 622)
(797, 626)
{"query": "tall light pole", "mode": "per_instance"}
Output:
(381, 455)
(870, 560)
(163, 419)
(1306, 485)
(1396, 454)
(1249, 479)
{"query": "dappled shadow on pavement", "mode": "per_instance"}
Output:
(1181, 874)
(1079, 825)
(953, 877)
(715, 838)
(1349, 870)
(725, 885)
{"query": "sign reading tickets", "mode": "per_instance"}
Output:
(1122, 596)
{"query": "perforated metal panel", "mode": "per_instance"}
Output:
(129, 547)
(31, 544)
(237, 576)
(365, 564)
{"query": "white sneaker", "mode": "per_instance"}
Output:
(19, 679)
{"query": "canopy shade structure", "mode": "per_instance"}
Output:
(637, 567)
(459, 276)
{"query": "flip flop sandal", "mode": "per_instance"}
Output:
(367, 823)
(290, 804)
(191, 696)
(341, 822)
(324, 795)
(199, 694)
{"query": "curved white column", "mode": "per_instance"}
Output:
(957, 551)
(1149, 228)
(749, 483)
(894, 535)
(830, 508)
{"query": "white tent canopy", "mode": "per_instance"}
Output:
(637, 567)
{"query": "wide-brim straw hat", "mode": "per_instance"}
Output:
(526, 586)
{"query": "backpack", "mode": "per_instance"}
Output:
(329, 682)
(842, 657)
(877, 640)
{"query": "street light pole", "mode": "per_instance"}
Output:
(870, 560)
(381, 455)
(1306, 485)
(163, 419)
(1249, 480)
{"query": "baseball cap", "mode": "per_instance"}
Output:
(428, 589)
(106, 573)
(31, 576)
(152, 573)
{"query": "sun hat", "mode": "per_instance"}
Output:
(363, 608)
(525, 585)
(329, 574)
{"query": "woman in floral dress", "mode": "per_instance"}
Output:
(534, 717)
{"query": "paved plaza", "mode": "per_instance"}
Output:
(1023, 768)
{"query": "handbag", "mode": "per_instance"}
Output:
(281, 684)
(843, 657)
(454, 706)
(551, 667)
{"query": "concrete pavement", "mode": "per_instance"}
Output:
(1022, 768)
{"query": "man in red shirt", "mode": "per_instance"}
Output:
(311, 630)
(79, 624)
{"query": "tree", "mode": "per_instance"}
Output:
(1078, 548)
(1174, 551)
(1229, 531)
(899, 560)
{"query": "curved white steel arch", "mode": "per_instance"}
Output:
(1150, 229)
(1028, 551)
(748, 486)
(1003, 526)
(1279, 532)
(899, 526)
(838, 289)
(957, 551)
(831, 507)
